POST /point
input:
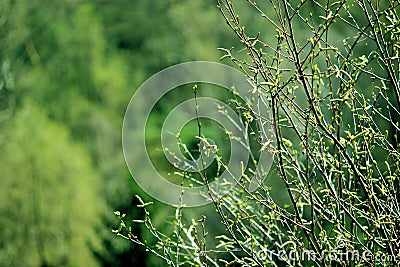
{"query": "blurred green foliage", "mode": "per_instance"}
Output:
(50, 198)
(68, 70)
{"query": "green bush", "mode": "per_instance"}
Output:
(330, 73)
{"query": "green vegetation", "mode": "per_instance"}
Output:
(329, 71)
(68, 70)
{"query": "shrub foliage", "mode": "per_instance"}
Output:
(331, 77)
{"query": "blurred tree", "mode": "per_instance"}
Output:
(53, 59)
(50, 204)
(80, 62)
